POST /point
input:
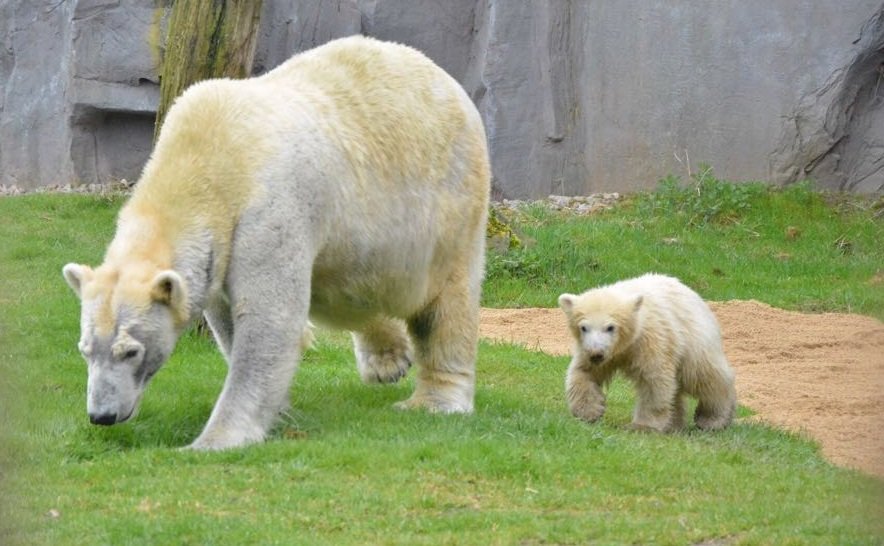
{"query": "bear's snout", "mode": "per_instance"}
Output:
(596, 358)
(104, 419)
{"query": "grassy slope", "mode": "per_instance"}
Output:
(746, 251)
(345, 468)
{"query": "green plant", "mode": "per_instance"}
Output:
(517, 263)
(705, 200)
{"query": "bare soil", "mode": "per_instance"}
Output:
(816, 374)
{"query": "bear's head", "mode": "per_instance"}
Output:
(602, 321)
(130, 320)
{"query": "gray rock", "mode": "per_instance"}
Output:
(35, 66)
(578, 97)
(836, 132)
(289, 26)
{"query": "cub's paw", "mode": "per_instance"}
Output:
(713, 422)
(648, 427)
(587, 410)
(714, 418)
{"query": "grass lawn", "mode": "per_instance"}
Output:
(345, 468)
(795, 249)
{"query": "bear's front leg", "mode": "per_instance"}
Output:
(657, 401)
(263, 360)
(268, 309)
(220, 321)
(586, 397)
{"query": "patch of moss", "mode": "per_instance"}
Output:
(500, 234)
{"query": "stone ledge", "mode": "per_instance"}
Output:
(116, 97)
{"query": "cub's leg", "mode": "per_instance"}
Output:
(717, 397)
(677, 422)
(445, 335)
(584, 391)
(657, 398)
(714, 414)
(383, 351)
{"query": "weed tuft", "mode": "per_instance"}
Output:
(702, 201)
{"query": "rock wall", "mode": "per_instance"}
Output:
(79, 89)
(578, 96)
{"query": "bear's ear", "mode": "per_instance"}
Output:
(168, 288)
(77, 275)
(566, 302)
(637, 303)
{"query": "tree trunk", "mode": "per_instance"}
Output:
(207, 39)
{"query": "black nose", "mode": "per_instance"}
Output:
(596, 358)
(105, 419)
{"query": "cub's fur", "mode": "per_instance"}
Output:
(661, 335)
(349, 184)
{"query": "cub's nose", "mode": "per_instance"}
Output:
(105, 419)
(596, 358)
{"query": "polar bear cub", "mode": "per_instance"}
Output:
(662, 336)
(349, 185)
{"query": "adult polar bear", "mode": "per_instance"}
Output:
(349, 184)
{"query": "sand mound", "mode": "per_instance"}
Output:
(820, 374)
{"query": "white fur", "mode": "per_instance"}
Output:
(349, 184)
(664, 337)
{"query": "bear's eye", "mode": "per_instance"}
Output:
(584, 328)
(610, 329)
(127, 354)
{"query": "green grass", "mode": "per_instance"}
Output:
(793, 248)
(344, 468)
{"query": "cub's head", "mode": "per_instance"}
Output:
(602, 322)
(129, 323)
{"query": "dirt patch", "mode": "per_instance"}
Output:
(819, 374)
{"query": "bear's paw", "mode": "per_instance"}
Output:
(386, 367)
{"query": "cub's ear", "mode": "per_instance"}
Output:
(637, 303)
(77, 275)
(168, 288)
(566, 302)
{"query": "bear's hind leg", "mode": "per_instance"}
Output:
(716, 407)
(713, 417)
(446, 335)
(383, 351)
(713, 386)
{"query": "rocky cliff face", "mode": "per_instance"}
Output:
(578, 96)
(836, 131)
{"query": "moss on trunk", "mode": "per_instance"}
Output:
(207, 39)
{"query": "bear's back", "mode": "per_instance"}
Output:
(671, 306)
(387, 106)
